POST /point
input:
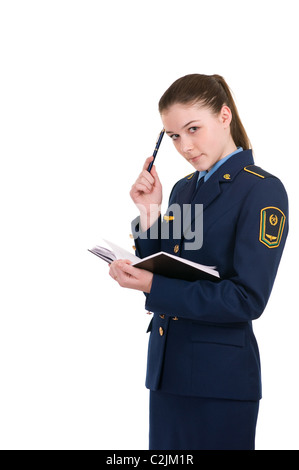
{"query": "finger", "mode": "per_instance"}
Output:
(145, 179)
(113, 269)
(112, 273)
(155, 175)
(148, 183)
(147, 162)
(127, 268)
(117, 267)
(140, 188)
(147, 176)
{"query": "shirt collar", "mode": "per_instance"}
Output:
(207, 174)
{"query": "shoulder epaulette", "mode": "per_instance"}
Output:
(188, 177)
(257, 171)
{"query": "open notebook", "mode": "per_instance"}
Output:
(161, 263)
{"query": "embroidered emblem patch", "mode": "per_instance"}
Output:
(271, 226)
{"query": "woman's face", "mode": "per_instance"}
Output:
(200, 136)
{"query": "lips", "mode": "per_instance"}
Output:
(193, 159)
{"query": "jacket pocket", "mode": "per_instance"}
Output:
(228, 335)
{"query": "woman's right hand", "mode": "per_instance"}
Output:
(146, 193)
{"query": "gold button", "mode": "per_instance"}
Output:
(167, 218)
(226, 176)
(134, 247)
(162, 316)
(161, 331)
(175, 318)
(176, 248)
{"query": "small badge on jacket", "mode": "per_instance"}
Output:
(271, 226)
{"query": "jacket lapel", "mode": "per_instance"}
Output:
(212, 188)
(184, 196)
(206, 194)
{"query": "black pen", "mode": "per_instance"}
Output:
(156, 149)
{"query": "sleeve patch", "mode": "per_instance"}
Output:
(271, 226)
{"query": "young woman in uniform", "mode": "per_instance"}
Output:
(203, 367)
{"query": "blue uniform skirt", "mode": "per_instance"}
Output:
(193, 423)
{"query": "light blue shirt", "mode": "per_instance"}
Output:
(206, 174)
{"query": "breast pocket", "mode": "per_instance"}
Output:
(226, 335)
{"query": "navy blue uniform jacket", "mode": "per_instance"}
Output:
(201, 339)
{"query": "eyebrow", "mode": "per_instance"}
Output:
(188, 123)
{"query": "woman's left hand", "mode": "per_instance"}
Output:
(128, 276)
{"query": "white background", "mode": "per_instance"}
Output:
(79, 84)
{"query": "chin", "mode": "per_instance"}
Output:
(201, 167)
(201, 164)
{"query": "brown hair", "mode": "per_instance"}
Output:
(211, 91)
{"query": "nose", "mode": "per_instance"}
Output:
(186, 145)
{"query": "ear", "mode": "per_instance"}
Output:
(226, 116)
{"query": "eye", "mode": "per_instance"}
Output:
(174, 136)
(193, 129)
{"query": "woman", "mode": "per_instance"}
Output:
(203, 362)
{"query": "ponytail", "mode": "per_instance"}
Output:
(238, 132)
(211, 91)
